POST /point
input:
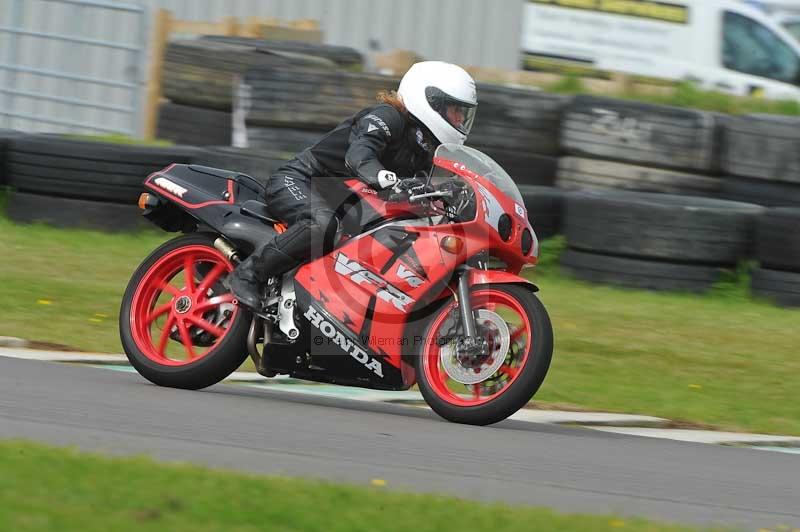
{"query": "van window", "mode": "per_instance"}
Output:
(752, 48)
(793, 27)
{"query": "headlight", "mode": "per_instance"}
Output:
(527, 242)
(504, 227)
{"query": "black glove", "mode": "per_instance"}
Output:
(408, 184)
(405, 188)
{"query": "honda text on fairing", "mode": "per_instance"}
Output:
(420, 288)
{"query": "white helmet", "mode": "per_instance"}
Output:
(442, 97)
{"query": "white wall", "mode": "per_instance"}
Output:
(469, 32)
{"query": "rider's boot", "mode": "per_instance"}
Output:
(246, 280)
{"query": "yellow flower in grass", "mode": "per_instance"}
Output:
(43, 302)
(98, 317)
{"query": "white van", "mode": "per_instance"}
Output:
(723, 45)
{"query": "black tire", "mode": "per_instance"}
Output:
(56, 166)
(520, 391)
(762, 146)
(194, 126)
(6, 136)
(343, 56)
(545, 206)
(309, 99)
(640, 133)
(575, 173)
(761, 191)
(70, 213)
(780, 287)
(660, 226)
(206, 371)
(638, 273)
(778, 239)
(202, 73)
(517, 120)
(282, 140)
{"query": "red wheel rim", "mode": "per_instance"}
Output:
(519, 325)
(174, 302)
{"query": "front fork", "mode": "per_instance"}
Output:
(465, 305)
(470, 344)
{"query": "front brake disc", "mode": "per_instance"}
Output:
(496, 329)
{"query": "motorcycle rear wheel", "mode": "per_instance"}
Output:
(178, 325)
(499, 392)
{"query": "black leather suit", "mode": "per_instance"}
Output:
(377, 138)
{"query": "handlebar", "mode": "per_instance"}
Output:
(436, 194)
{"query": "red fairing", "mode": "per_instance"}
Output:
(371, 289)
(494, 201)
(374, 281)
(478, 277)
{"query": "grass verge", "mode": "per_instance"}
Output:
(687, 95)
(722, 359)
(65, 286)
(44, 488)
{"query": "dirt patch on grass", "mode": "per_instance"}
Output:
(50, 346)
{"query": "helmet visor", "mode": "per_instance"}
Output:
(457, 113)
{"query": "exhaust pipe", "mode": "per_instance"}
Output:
(259, 328)
(227, 249)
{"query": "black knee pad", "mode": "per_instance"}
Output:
(310, 236)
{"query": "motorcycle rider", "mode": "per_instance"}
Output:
(434, 104)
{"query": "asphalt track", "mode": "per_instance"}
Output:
(254, 430)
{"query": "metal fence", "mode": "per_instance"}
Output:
(73, 66)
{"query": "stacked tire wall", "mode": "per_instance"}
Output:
(73, 183)
(647, 195)
(620, 145)
(289, 109)
(761, 159)
(6, 136)
(202, 82)
(201, 77)
(778, 251)
(655, 241)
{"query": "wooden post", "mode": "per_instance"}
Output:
(251, 26)
(622, 82)
(161, 29)
(230, 26)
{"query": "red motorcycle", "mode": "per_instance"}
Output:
(420, 289)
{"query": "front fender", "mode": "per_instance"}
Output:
(477, 277)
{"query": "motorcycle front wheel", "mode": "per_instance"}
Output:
(486, 388)
(178, 325)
